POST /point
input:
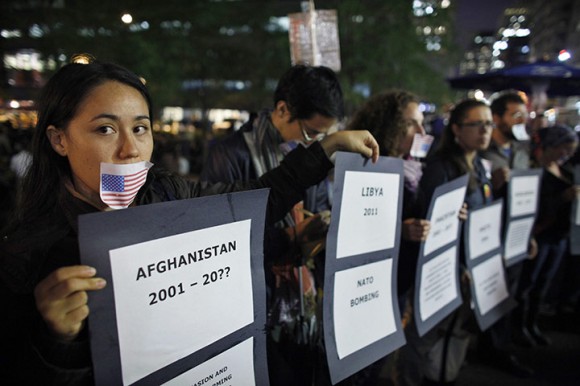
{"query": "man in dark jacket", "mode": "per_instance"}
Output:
(508, 150)
(308, 103)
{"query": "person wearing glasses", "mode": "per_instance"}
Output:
(467, 132)
(307, 105)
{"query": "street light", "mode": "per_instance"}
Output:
(127, 18)
(564, 55)
(82, 58)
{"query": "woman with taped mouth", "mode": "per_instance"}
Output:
(394, 118)
(93, 119)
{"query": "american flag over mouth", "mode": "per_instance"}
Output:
(421, 145)
(121, 182)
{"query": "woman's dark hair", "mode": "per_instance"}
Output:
(57, 105)
(448, 147)
(309, 90)
(382, 116)
(552, 136)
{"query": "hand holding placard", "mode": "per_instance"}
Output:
(61, 299)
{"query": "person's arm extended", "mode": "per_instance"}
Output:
(301, 168)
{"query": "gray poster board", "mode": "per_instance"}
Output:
(486, 317)
(424, 326)
(341, 368)
(102, 232)
(513, 219)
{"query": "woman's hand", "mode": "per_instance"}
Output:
(356, 141)
(415, 229)
(61, 299)
(499, 177)
(466, 276)
(532, 249)
(463, 212)
(571, 193)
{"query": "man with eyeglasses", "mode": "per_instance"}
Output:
(308, 103)
(508, 150)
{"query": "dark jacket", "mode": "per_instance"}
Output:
(441, 170)
(518, 159)
(413, 203)
(553, 222)
(28, 354)
(229, 160)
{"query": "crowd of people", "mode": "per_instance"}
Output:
(96, 113)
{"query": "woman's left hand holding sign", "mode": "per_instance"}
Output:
(61, 298)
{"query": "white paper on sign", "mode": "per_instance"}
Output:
(524, 195)
(517, 236)
(484, 230)
(368, 217)
(444, 220)
(178, 294)
(232, 367)
(438, 286)
(363, 306)
(490, 285)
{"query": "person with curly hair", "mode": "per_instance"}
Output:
(394, 118)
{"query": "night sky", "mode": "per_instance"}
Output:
(474, 16)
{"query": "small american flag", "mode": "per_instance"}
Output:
(120, 183)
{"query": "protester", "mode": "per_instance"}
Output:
(551, 148)
(394, 118)
(307, 104)
(508, 150)
(467, 132)
(509, 146)
(562, 300)
(92, 115)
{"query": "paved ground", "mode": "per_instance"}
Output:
(554, 365)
